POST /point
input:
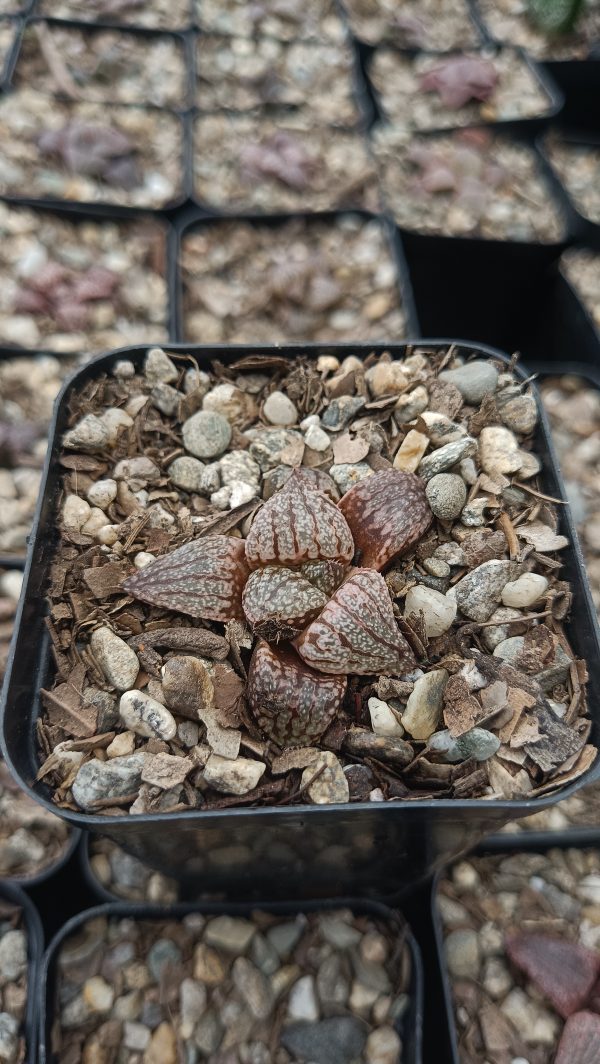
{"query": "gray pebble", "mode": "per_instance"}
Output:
(147, 717)
(9, 1037)
(337, 1040)
(107, 779)
(206, 434)
(409, 406)
(229, 933)
(477, 743)
(340, 412)
(239, 465)
(283, 937)
(548, 677)
(437, 567)
(445, 457)
(474, 380)
(117, 661)
(124, 369)
(462, 953)
(89, 434)
(478, 593)
(13, 956)
(158, 367)
(519, 413)
(187, 473)
(268, 448)
(253, 987)
(346, 474)
(446, 495)
(166, 399)
(162, 954)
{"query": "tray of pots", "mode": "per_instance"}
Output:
(302, 617)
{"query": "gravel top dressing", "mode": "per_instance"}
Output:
(192, 498)
(436, 24)
(13, 983)
(466, 184)
(90, 152)
(327, 987)
(574, 409)
(8, 31)
(582, 269)
(321, 280)
(28, 387)
(522, 945)
(80, 287)
(10, 589)
(440, 92)
(508, 20)
(237, 73)
(253, 162)
(285, 22)
(160, 14)
(578, 167)
(31, 838)
(105, 66)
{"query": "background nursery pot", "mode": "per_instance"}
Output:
(409, 1027)
(12, 895)
(374, 848)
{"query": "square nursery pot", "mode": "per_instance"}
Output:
(585, 229)
(409, 1026)
(510, 846)
(364, 848)
(32, 925)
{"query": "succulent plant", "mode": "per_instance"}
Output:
(555, 16)
(318, 618)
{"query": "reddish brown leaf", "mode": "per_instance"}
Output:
(204, 578)
(387, 514)
(564, 971)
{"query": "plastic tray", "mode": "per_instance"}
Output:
(307, 851)
(411, 1026)
(526, 125)
(35, 949)
(579, 82)
(194, 220)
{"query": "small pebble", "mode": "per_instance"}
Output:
(145, 716)
(280, 410)
(383, 719)
(187, 473)
(423, 711)
(446, 457)
(410, 405)
(233, 777)
(499, 450)
(331, 786)
(473, 380)
(117, 661)
(438, 610)
(411, 451)
(206, 434)
(317, 439)
(446, 494)
(102, 493)
(158, 367)
(346, 475)
(462, 954)
(525, 590)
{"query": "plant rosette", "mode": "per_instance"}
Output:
(290, 581)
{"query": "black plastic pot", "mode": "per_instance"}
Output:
(92, 29)
(579, 82)
(530, 843)
(410, 1028)
(112, 24)
(7, 63)
(193, 220)
(375, 849)
(526, 125)
(35, 949)
(98, 209)
(585, 229)
(482, 290)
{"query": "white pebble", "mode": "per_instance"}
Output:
(525, 590)
(143, 558)
(241, 493)
(114, 420)
(11, 583)
(95, 521)
(316, 438)
(108, 535)
(75, 513)
(383, 719)
(302, 1002)
(102, 493)
(280, 410)
(89, 434)
(438, 610)
(145, 716)
(233, 777)
(117, 661)
(159, 367)
(411, 451)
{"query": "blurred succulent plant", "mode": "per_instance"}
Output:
(555, 16)
(94, 151)
(292, 581)
(63, 295)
